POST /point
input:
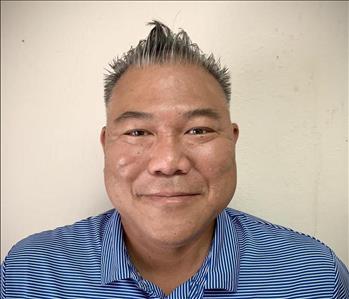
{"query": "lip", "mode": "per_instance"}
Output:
(170, 194)
(170, 197)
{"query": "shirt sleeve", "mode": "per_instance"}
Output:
(2, 281)
(341, 287)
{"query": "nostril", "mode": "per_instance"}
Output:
(168, 174)
(180, 172)
(171, 167)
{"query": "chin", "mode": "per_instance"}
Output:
(171, 241)
(177, 235)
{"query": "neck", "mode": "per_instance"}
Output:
(169, 266)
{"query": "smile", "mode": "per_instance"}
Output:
(170, 198)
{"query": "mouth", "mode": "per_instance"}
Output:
(170, 197)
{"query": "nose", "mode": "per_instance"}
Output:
(168, 158)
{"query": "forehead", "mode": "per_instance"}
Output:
(161, 87)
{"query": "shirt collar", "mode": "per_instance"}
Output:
(114, 257)
(224, 265)
(224, 270)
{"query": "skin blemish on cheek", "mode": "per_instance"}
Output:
(130, 158)
(122, 162)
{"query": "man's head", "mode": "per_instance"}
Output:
(169, 146)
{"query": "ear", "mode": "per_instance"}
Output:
(235, 132)
(102, 137)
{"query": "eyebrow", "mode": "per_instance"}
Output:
(200, 112)
(205, 112)
(133, 115)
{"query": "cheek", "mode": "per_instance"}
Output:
(124, 163)
(217, 159)
(217, 165)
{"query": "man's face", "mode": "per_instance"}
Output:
(169, 152)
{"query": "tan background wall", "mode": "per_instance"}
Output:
(288, 61)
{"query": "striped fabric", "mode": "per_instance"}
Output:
(249, 258)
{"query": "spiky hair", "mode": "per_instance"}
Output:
(164, 46)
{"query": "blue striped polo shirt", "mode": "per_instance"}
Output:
(248, 258)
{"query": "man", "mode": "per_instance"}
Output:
(170, 173)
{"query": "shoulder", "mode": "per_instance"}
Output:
(66, 242)
(262, 232)
(277, 244)
(270, 250)
(58, 262)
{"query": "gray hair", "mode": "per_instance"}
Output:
(163, 46)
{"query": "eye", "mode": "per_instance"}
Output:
(199, 131)
(137, 133)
